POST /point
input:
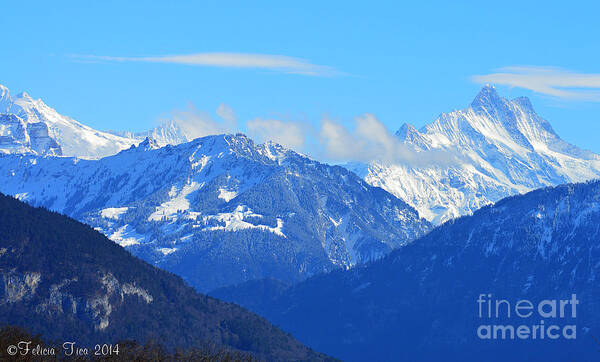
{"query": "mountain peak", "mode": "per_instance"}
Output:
(487, 96)
(405, 130)
(524, 103)
(148, 144)
(410, 135)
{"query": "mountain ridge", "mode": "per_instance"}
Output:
(23, 118)
(250, 210)
(504, 148)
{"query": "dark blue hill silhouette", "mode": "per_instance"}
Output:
(420, 302)
(67, 282)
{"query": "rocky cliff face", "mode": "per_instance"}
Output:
(29, 126)
(19, 136)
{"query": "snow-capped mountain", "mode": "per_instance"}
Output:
(168, 133)
(421, 301)
(221, 209)
(504, 148)
(28, 125)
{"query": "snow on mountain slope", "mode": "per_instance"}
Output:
(28, 125)
(504, 148)
(221, 209)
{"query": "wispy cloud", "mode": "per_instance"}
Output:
(280, 63)
(289, 134)
(196, 123)
(553, 81)
(226, 113)
(367, 140)
(372, 141)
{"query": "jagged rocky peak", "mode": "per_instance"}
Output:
(410, 135)
(507, 112)
(517, 115)
(167, 133)
(239, 138)
(487, 96)
(524, 103)
(240, 143)
(505, 147)
(148, 144)
(406, 130)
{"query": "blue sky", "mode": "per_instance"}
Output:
(400, 62)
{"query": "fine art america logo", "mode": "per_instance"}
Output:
(545, 319)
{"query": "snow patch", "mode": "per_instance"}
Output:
(234, 221)
(177, 203)
(22, 196)
(113, 212)
(226, 194)
(167, 251)
(126, 236)
(336, 223)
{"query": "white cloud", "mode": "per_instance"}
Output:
(551, 81)
(279, 63)
(369, 140)
(199, 124)
(226, 113)
(288, 134)
(372, 141)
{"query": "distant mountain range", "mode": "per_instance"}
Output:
(421, 301)
(168, 133)
(503, 148)
(69, 283)
(221, 210)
